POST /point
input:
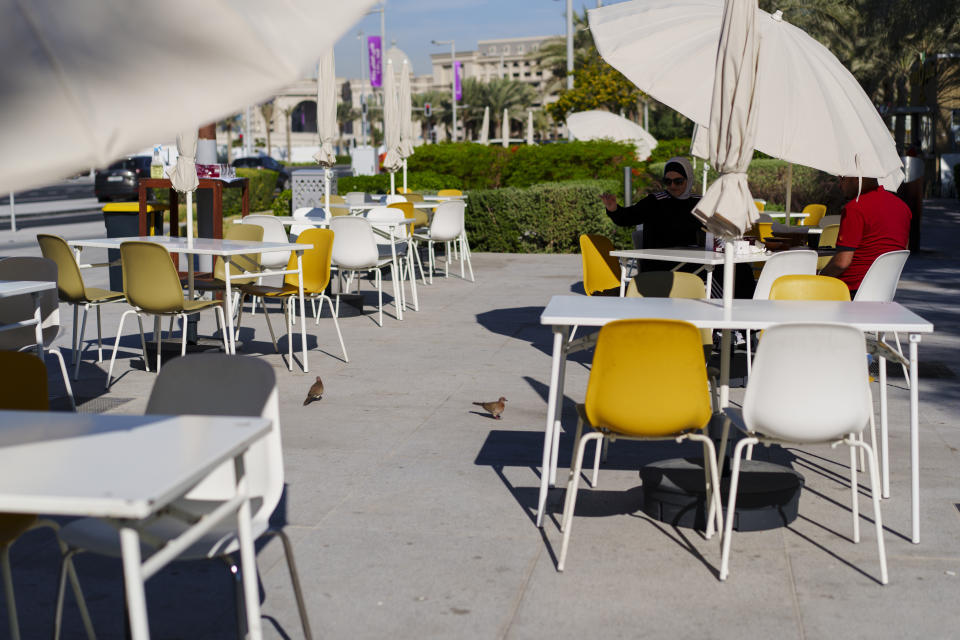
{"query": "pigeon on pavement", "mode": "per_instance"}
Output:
(315, 392)
(495, 408)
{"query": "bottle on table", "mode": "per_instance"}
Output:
(156, 165)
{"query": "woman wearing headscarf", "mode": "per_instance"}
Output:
(666, 215)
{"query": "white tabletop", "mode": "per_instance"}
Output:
(744, 314)
(199, 246)
(688, 255)
(118, 466)
(18, 287)
(325, 222)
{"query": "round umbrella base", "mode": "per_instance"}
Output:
(768, 494)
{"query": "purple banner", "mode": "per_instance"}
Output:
(458, 91)
(375, 56)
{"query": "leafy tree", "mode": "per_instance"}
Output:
(597, 85)
(506, 93)
(287, 112)
(230, 124)
(345, 115)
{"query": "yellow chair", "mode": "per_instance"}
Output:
(828, 240)
(671, 284)
(412, 197)
(815, 213)
(601, 271)
(404, 190)
(422, 221)
(238, 264)
(449, 192)
(72, 290)
(23, 387)
(648, 382)
(316, 277)
(761, 204)
(807, 287)
(152, 286)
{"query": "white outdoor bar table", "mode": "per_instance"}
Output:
(709, 259)
(225, 249)
(9, 288)
(563, 312)
(126, 469)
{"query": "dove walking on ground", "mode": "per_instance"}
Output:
(315, 392)
(495, 408)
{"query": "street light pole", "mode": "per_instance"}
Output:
(453, 82)
(363, 64)
(569, 44)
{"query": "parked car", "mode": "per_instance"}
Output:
(266, 162)
(120, 181)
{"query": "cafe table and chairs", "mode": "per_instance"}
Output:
(35, 289)
(128, 469)
(564, 312)
(708, 259)
(227, 249)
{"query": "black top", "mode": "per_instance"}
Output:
(667, 222)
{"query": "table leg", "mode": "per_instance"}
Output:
(724, 368)
(558, 410)
(559, 340)
(248, 560)
(133, 583)
(623, 279)
(914, 440)
(227, 311)
(884, 432)
(709, 280)
(303, 312)
(38, 318)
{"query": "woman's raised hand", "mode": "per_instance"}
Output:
(609, 201)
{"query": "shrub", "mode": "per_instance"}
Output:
(283, 203)
(262, 184)
(419, 181)
(667, 149)
(545, 218)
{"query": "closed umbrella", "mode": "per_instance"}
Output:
(183, 178)
(406, 118)
(505, 129)
(326, 119)
(485, 127)
(810, 108)
(391, 124)
(529, 126)
(80, 80)
(597, 125)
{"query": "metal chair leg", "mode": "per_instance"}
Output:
(294, 580)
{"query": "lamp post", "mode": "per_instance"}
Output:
(453, 82)
(569, 44)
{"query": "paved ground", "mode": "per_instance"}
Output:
(411, 512)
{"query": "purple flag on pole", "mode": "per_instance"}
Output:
(375, 56)
(456, 76)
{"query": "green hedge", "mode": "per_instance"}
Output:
(416, 181)
(545, 218)
(262, 184)
(283, 203)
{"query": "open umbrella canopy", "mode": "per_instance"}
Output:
(597, 125)
(810, 108)
(391, 120)
(326, 110)
(84, 83)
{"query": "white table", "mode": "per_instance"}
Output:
(709, 260)
(565, 311)
(226, 249)
(795, 229)
(126, 469)
(9, 288)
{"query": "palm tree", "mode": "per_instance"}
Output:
(552, 55)
(345, 114)
(229, 124)
(287, 112)
(266, 110)
(506, 93)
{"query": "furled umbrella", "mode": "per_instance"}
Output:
(596, 125)
(79, 83)
(529, 126)
(183, 178)
(505, 129)
(391, 124)
(485, 127)
(406, 118)
(326, 119)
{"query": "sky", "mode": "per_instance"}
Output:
(415, 23)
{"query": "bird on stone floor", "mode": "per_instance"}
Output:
(495, 408)
(315, 392)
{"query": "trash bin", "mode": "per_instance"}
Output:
(122, 220)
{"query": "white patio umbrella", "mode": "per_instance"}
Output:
(84, 83)
(485, 127)
(810, 108)
(406, 118)
(183, 177)
(391, 124)
(596, 125)
(529, 127)
(505, 129)
(326, 119)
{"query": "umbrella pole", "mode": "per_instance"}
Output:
(789, 189)
(728, 267)
(326, 191)
(190, 242)
(392, 183)
(405, 175)
(706, 166)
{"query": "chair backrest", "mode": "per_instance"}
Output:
(764, 230)
(273, 231)
(336, 198)
(880, 282)
(354, 246)
(69, 279)
(307, 213)
(231, 386)
(826, 221)
(601, 271)
(355, 198)
(809, 383)
(670, 284)
(243, 262)
(17, 308)
(385, 220)
(761, 204)
(403, 190)
(316, 261)
(413, 197)
(815, 213)
(828, 238)
(447, 221)
(648, 378)
(449, 192)
(150, 280)
(796, 262)
(809, 287)
(23, 382)
(390, 198)
(410, 211)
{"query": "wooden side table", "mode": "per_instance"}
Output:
(205, 183)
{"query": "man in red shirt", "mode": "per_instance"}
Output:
(872, 224)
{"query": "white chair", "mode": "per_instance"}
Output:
(355, 250)
(391, 198)
(273, 231)
(793, 398)
(355, 199)
(394, 241)
(879, 284)
(448, 227)
(785, 263)
(313, 214)
(17, 308)
(233, 385)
